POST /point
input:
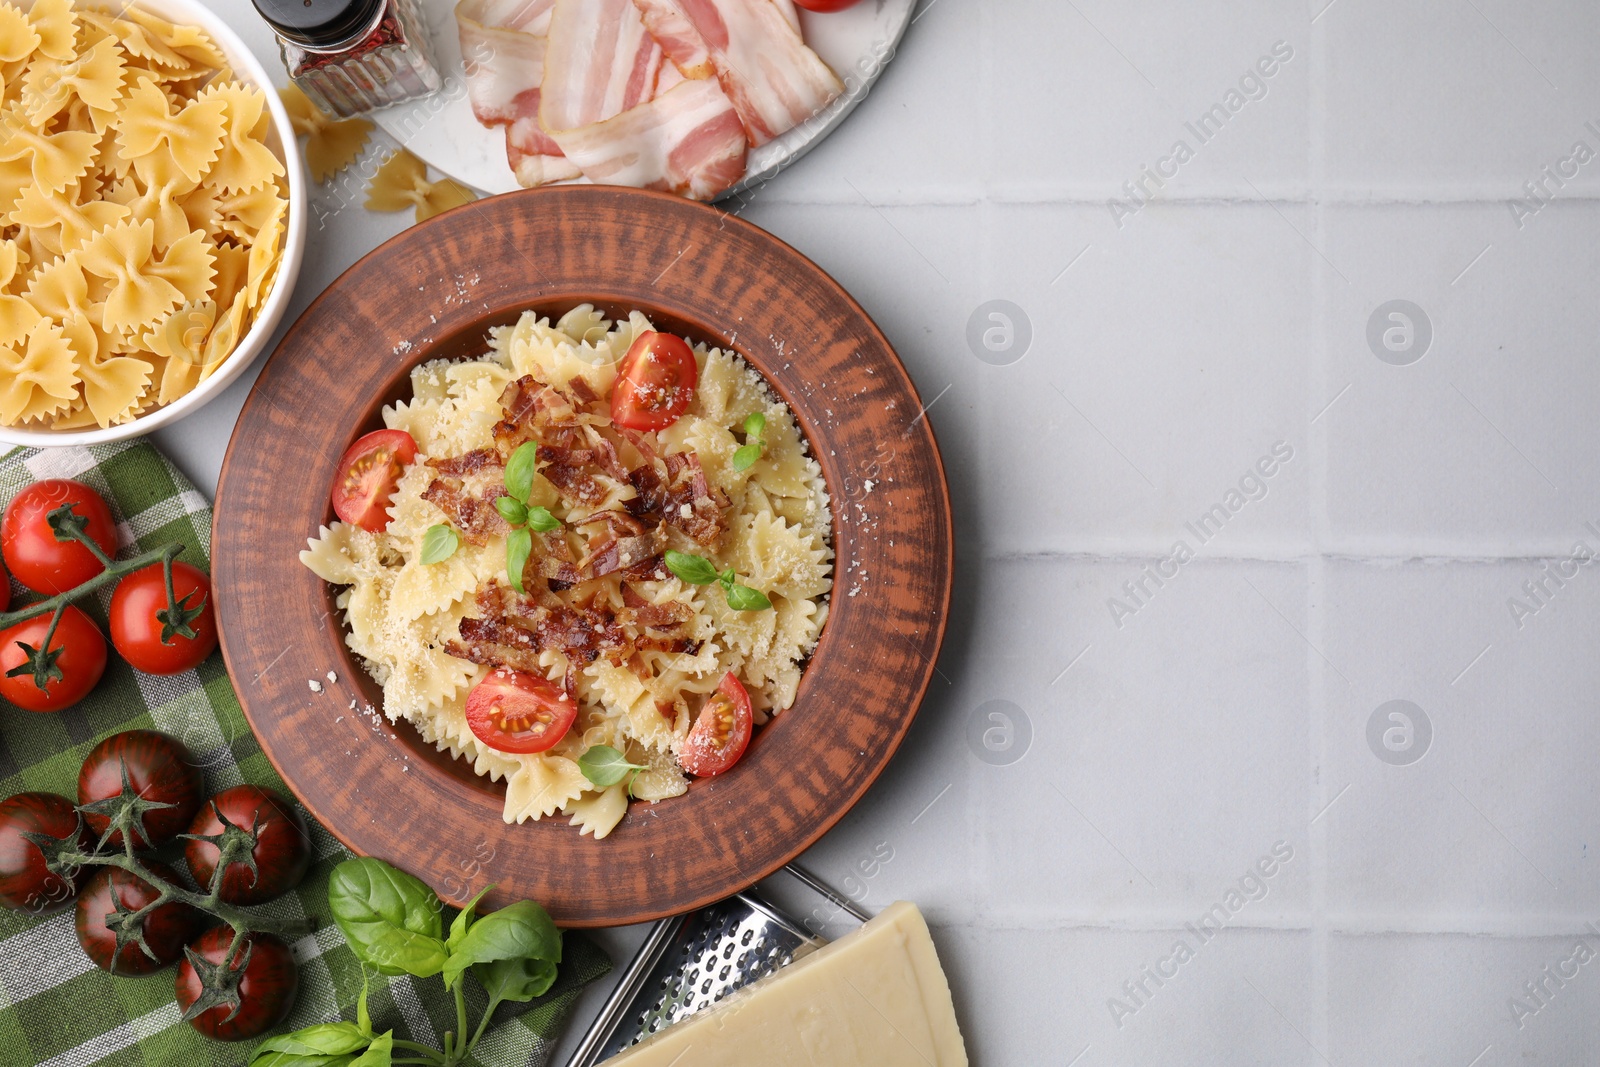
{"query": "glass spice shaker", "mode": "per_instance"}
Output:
(351, 56)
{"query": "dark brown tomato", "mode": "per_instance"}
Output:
(160, 770)
(266, 989)
(26, 884)
(282, 851)
(166, 929)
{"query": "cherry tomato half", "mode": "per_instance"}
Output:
(82, 661)
(721, 733)
(513, 711)
(26, 884)
(166, 929)
(159, 769)
(137, 632)
(367, 474)
(31, 550)
(826, 5)
(266, 988)
(281, 854)
(655, 382)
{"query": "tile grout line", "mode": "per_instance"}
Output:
(1316, 573)
(977, 814)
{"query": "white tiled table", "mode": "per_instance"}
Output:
(1229, 710)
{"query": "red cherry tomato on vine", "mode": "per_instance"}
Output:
(514, 711)
(367, 475)
(166, 929)
(29, 545)
(826, 5)
(144, 639)
(5, 590)
(721, 733)
(26, 884)
(282, 851)
(266, 987)
(159, 770)
(81, 662)
(655, 382)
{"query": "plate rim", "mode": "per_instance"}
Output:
(938, 614)
(390, 121)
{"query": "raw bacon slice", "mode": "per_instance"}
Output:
(773, 79)
(687, 141)
(600, 63)
(503, 44)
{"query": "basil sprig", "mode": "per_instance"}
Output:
(745, 458)
(697, 570)
(519, 515)
(393, 923)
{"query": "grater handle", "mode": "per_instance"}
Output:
(817, 885)
(616, 1006)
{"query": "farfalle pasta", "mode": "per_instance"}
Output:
(142, 212)
(425, 627)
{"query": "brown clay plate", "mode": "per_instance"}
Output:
(433, 292)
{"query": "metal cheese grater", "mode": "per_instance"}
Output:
(690, 962)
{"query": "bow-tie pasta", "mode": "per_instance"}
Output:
(143, 212)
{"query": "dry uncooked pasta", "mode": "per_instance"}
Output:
(403, 614)
(402, 182)
(331, 144)
(142, 212)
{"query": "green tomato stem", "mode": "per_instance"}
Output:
(114, 572)
(241, 920)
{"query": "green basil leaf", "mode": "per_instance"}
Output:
(380, 1054)
(513, 511)
(746, 457)
(519, 545)
(516, 980)
(390, 919)
(439, 543)
(754, 424)
(295, 1059)
(696, 570)
(604, 766)
(743, 598)
(540, 519)
(363, 1016)
(317, 1043)
(463, 920)
(520, 469)
(521, 931)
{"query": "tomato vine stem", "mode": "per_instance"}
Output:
(116, 571)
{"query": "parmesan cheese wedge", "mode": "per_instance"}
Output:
(875, 998)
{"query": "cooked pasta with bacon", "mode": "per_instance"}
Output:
(669, 572)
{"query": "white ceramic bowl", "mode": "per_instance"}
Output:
(280, 139)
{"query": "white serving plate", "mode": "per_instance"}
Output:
(280, 139)
(442, 131)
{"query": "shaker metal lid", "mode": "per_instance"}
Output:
(318, 22)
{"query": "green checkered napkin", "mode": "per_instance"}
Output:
(56, 1007)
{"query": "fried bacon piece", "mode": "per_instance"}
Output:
(468, 463)
(683, 498)
(566, 469)
(514, 629)
(473, 515)
(626, 545)
(535, 411)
